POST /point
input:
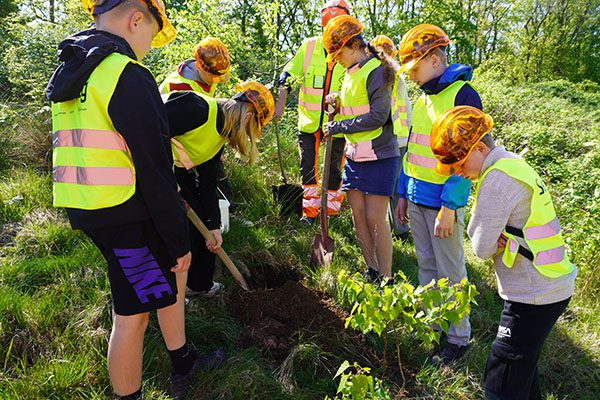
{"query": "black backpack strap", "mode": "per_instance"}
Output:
(521, 250)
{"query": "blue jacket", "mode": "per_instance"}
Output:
(454, 193)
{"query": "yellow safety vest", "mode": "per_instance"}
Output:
(310, 63)
(201, 144)
(92, 166)
(420, 162)
(176, 82)
(400, 108)
(355, 98)
(542, 232)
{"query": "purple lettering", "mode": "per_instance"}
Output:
(157, 291)
(143, 272)
(144, 267)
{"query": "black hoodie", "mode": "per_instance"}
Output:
(139, 115)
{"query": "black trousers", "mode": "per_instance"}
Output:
(309, 155)
(202, 268)
(511, 371)
(223, 183)
(194, 190)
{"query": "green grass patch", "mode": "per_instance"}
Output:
(55, 298)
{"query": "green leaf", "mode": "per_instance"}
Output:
(345, 365)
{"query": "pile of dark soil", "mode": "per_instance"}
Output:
(274, 318)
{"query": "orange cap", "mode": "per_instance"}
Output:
(337, 33)
(213, 58)
(454, 135)
(332, 9)
(166, 31)
(419, 41)
(382, 42)
(260, 97)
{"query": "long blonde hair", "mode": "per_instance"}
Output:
(242, 135)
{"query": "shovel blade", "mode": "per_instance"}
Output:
(322, 250)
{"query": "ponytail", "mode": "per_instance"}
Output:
(390, 67)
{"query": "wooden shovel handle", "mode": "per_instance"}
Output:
(325, 180)
(221, 253)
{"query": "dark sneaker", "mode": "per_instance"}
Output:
(308, 221)
(449, 354)
(180, 384)
(380, 279)
(370, 275)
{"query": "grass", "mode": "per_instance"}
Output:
(55, 307)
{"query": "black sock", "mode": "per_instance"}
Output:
(137, 395)
(182, 360)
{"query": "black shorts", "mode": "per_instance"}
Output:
(139, 267)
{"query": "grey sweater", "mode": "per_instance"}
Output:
(502, 201)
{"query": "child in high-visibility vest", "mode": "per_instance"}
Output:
(209, 67)
(513, 221)
(200, 126)
(401, 120)
(112, 172)
(434, 203)
(371, 148)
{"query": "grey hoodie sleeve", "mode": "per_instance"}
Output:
(495, 203)
(380, 95)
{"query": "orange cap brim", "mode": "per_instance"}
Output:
(446, 169)
(166, 34)
(408, 66)
(331, 57)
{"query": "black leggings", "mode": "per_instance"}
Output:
(511, 371)
(309, 153)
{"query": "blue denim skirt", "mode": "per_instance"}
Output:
(371, 177)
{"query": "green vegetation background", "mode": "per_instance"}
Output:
(538, 68)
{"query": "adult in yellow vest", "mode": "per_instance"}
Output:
(112, 173)
(318, 78)
(210, 66)
(200, 126)
(435, 203)
(401, 119)
(372, 149)
(514, 222)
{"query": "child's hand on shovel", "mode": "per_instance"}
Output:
(216, 245)
(333, 107)
(333, 100)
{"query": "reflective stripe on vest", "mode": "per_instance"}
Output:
(176, 82)
(92, 167)
(355, 98)
(420, 162)
(542, 232)
(201, 144)
(400, 109)
(312, 89)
